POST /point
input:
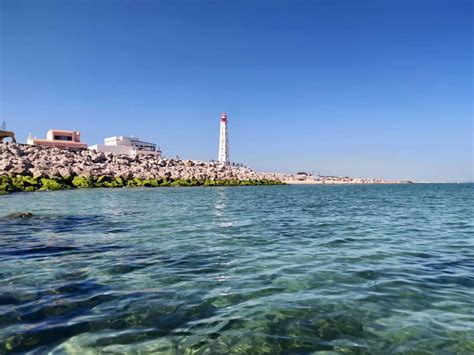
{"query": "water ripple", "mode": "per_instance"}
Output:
(282, 269)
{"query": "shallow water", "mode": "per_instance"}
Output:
(267, 269)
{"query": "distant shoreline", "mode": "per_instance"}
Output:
(306, 182)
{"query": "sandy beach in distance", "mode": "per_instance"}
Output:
(313, 182)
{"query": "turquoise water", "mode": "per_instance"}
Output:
(271, 269)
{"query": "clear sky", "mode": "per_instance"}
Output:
(340, 87)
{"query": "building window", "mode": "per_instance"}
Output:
(63, 138)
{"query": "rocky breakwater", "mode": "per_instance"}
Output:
(30, 168)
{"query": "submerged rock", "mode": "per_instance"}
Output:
(19, 215)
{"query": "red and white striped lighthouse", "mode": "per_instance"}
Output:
(223, 141)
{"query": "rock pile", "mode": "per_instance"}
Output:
(36, 163)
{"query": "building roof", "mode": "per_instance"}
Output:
(62, 131)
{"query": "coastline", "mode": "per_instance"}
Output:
(34, 168)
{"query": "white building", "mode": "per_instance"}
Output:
(126, 145)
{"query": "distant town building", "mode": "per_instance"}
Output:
(223, 141)
(303, 176)
(59, 138)
(126, 145)
(7, 134)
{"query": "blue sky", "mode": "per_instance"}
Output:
(360, 88)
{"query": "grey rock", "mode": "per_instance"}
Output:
(56, 162)
(19, 215)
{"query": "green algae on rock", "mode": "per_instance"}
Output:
(29, 183)
(82, 182)
(49, 185)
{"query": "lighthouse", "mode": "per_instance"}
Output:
(223, 141)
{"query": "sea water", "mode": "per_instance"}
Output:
(265, 269)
